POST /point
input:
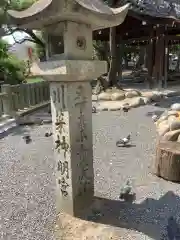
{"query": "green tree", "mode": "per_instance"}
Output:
(114, 54)
(6, 29)
(12, 71)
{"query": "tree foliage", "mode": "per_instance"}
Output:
(12, 70)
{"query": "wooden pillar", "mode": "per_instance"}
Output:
(119, 58)
(161, 61)
(166, 63)
(159, 57)
(150, 63)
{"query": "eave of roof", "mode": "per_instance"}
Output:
(166, 9)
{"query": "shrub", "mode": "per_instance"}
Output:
(12, 70)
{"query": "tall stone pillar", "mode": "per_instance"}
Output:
(71, 104)
(70, 74)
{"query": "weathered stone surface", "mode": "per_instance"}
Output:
(173, 122)
(110, 105)
(146, 100)
(136, 102)
(102, 108)
(171, 119)
(114, 108)
(94, 98)
(174, 125)
(172, 112)
(175, 106)
(131, 94)
(171, 135)
(160, 120)
(163, 128)
(152, 96)
(118, 96)
(93, 13)
(104, 96)
(169, 93)
(72, 115)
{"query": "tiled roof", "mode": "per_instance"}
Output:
(155, 8)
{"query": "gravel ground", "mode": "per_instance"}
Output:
(27, 180)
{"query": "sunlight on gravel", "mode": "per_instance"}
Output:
(27, 184)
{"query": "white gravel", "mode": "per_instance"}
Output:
(27, 181)
(27, 209)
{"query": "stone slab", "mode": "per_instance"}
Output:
(72, 132)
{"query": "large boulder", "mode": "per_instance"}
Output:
(175, 106)
(104, 96)
(118, 96)
(163, 128)
(136, 102)
(161, 119)
(174, 125)
(167, 115)
(173, 122)
(132, 93)
(171, 135)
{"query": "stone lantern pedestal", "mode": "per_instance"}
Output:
(70, 89)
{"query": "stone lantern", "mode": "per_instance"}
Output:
(70, 74)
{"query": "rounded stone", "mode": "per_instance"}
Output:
(163, 128)
(146, 100)
(174, 125)
(136, 102)
(131, 94)
(171, 135)
(114, 108)
(101, 108)
(175, 106)
(153, 96)
(104, 96)
(171, 119)
(117, 96)
(165, 115)
(172, 112)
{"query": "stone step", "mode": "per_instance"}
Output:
(6, 125)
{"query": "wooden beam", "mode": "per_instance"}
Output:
(166, 63)
(172, 37)
(138, 39)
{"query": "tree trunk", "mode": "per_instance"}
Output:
(106, 54)
(140, 61)
(119, 60)
(178, 62)
(146, 57)
(125, 61)
(167, 162)
(112, 75)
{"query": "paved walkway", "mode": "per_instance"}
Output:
(27, 180)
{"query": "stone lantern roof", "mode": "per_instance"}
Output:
(45, 13)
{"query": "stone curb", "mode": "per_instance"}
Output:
(32, 109)
(8, 124)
